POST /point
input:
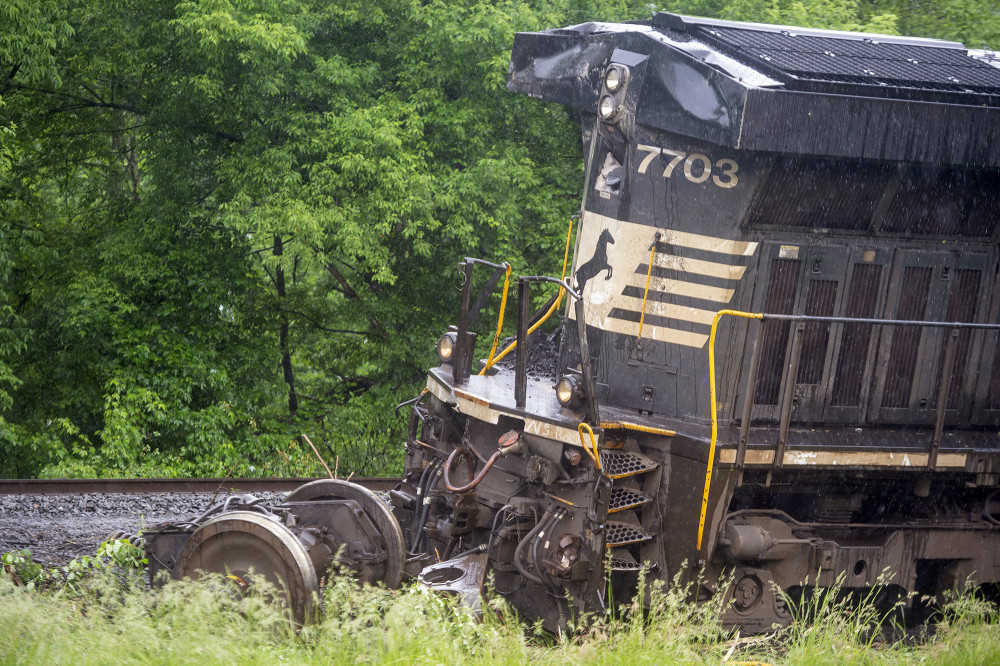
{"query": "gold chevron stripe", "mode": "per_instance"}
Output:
(661, 333)
(708, 243)
(668, 310)
(682, 288)
(710, 268)
(674, 237)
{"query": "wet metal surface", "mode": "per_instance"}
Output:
(755, 88)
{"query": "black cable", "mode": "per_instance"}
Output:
(539, 527)
(493, 528)
(559, 515)
(426, 508)
(419, 508)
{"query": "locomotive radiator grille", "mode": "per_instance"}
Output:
(626, 498)
(620, 464)
(623, 534)
(622, 563)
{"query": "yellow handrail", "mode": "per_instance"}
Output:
(595, 456)
(626, 425)
(649, 272)
(548, 313)
(562, 278)
(503, 307)
(712, 400)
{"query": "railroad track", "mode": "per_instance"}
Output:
(144, 486)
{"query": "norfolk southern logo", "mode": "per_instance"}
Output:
(692, 277)
(597, 263)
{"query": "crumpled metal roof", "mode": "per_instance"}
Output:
(782, 89)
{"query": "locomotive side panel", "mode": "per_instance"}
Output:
(846, 466)
(660, 248)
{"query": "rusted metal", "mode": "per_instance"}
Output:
(741, 449)
(463, 353)
(788, 393)
(486, 291)
(588, 373)
(942, 398)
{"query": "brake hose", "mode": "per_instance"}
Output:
(434, 471)
(539, 528)
(473, 482)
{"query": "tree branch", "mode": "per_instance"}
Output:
(320, 327)
(348, 291)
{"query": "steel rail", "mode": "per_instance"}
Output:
(143, 486)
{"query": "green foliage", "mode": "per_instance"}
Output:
(123, 554)
(226, 223)
(21, 568)
(99, 621)
(115, 557)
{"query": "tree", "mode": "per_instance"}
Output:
(247, 214)
(229, 222)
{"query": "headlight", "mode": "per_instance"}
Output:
(446, 346)
(569, 391)
(614, 78)
(607, 106)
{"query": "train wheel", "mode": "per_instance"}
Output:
(243, 545)
(377, 511)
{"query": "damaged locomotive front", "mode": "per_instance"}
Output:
(778, 354)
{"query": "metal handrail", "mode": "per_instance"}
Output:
(467, 314)
(786, 403)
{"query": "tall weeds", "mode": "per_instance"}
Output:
(108, 619)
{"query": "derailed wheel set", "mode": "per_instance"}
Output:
(292, 545)
(778, 355)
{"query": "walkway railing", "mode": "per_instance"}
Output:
(791, 363)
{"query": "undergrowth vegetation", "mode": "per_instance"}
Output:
(106, 614)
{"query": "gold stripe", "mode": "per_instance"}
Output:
(753, 457)
(674, 237)
(840, 458)
(661, 333)
(669, 310)
(709, 243)
(709, 268)
(682, 288)
(439, 391)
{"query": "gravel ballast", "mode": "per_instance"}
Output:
(58, 528)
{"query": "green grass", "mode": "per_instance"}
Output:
(110, 619)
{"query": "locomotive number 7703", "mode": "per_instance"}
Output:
(726, 167)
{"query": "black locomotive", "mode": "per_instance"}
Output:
(777, 361)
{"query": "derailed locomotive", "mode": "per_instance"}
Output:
(778, 356)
